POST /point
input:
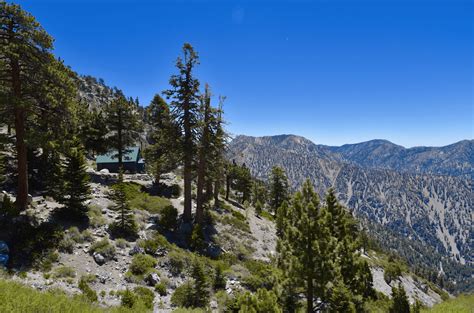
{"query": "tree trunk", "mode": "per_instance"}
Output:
(216, 192)
(309, 295)
(227, 187)
(22, 159)
(188, 159)
(20, 133)
(119, 141)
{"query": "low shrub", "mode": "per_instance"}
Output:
(145, 295)
(66, 245)
(178, 260)
(151, 245)
(168, 218)
(64, 272)
(141, 264)
(161, 289)
(181, 296)
(96, 218)
(103, 247)
(87, 291)
(121, 243)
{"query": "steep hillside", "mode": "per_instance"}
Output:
(433, 210)
(454, 160)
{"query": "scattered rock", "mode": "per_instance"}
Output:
(152, 279)
(99, 258)
(136, 250)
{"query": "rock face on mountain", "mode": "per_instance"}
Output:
(383, 183)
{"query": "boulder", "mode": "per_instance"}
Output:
(152, 279)
(99, 258)
(136, 250)
(104, 171)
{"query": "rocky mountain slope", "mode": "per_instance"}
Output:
(430, 209)
(453, 160)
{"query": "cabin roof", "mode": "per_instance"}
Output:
(131, 155)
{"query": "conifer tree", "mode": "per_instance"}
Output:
(53, 174)
(76, 183)
(93, 132)
(400, 302)
(279, 190)
(200, 294)
(218, 151)
(306, 246)
(122, 122)
(33, 83)
(125, 225)
(243, 182)
(184, 93)
(204, 150)
(163, 154)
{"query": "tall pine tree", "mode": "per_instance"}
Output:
(163, 154)
(123, 124)
(279, 190)
(33, 83)
(184, 93)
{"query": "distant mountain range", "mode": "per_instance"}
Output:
(424, 194)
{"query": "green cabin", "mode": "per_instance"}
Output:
(132, 161)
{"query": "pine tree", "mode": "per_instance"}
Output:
(184, 93)
(37, 88)
(53, 175)
(163, 154)
(258, 207)
(122, 122)
(204, 150)
(76, 183)
(219, 279)
(243, 182)
(306, 247)
(400, 302)
(93, 132)
(279, 190)
(200, 294)
(218, 150)
(125, 225)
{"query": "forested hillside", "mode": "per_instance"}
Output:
(430, 210)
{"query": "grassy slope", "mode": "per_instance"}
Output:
(15, 297)
(461, 304)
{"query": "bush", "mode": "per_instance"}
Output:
(121, 243)
(45, 263)
(161, 289)
(90, 294)
(145, 202)
(151, 245)
(66, 245)
(141, 264)
(145, 295)
(87, 235)
(392, 271)
(181, 296)
(96, 218)
(197, 241)
(64, 272)
(128, 299)
(169, 218)
(103, 247)
(177, 261)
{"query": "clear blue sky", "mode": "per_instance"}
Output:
(333, 71)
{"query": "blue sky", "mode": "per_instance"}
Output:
(333, 71)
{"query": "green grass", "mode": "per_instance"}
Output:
(140, 200)
(461, 304)
(15, 297)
